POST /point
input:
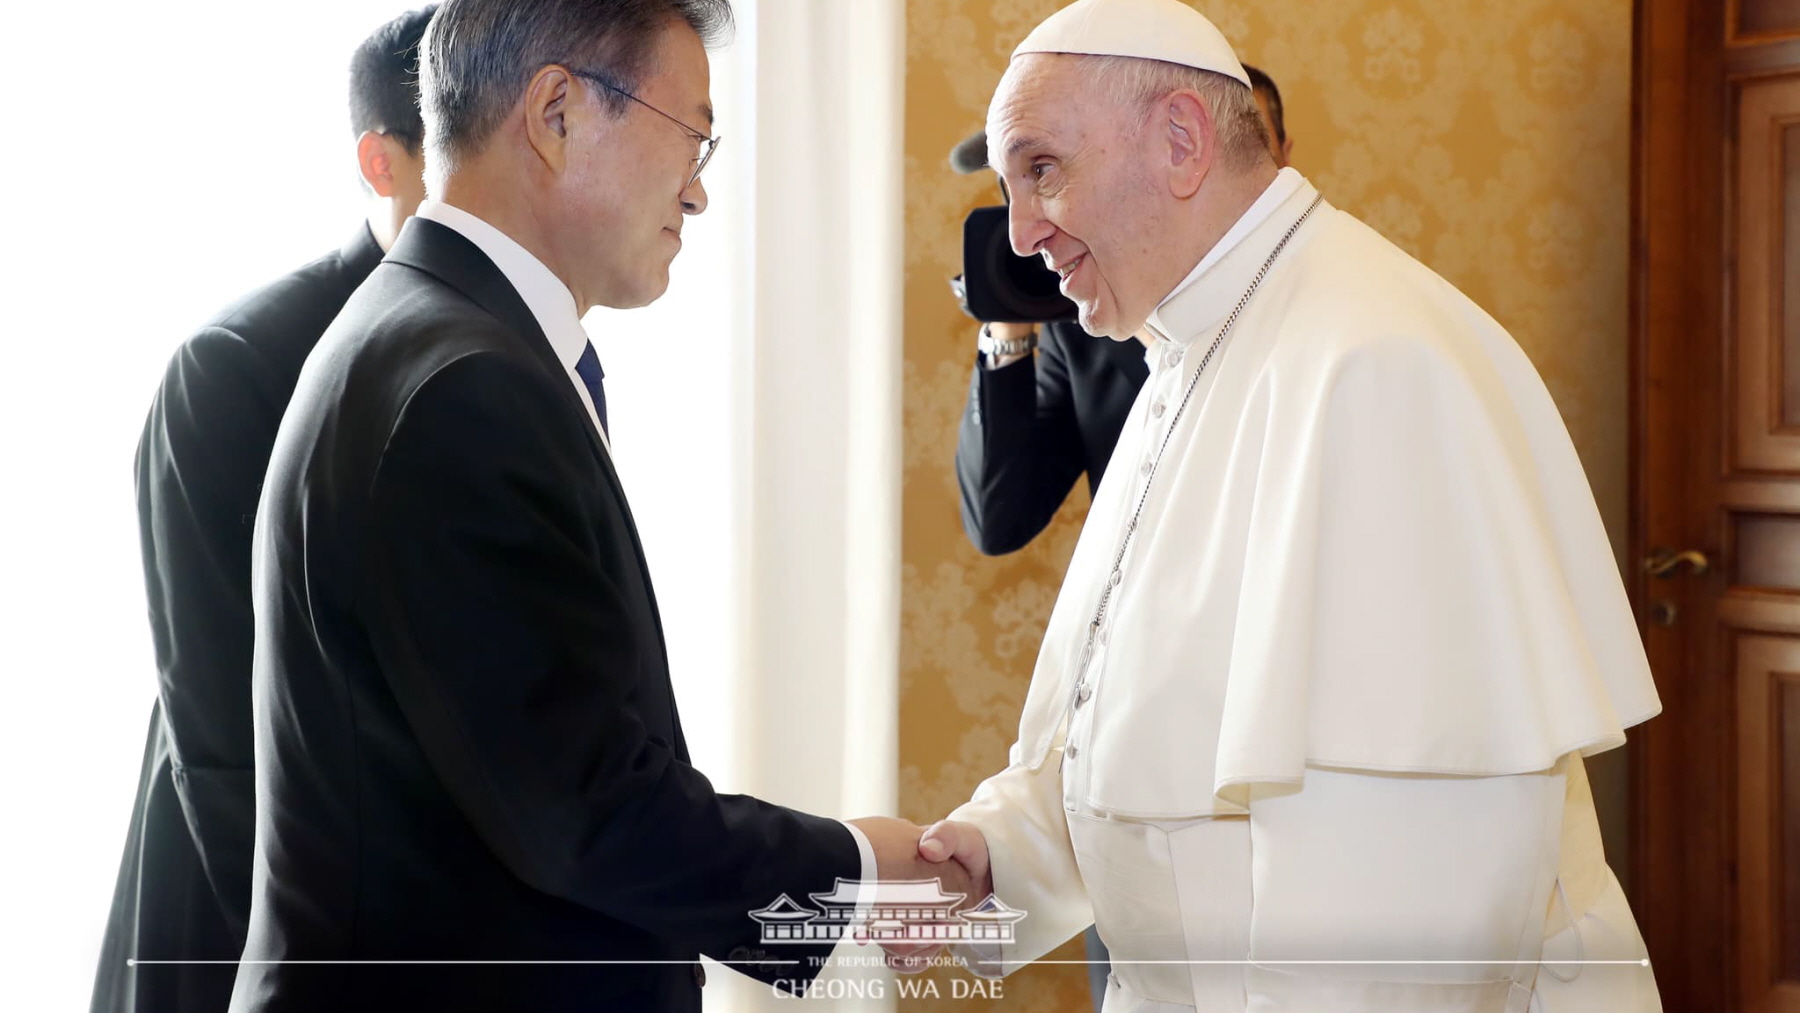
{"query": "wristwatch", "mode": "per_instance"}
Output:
(996, 348)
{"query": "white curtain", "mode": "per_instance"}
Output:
(771, 373)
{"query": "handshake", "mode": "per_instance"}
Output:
(950, 854)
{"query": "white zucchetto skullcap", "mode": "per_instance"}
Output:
(1166, 30)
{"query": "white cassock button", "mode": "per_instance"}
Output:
(1116, 577)
(1082, 693)
(1073, 751)
(1172, 358)
(1157, 408)
(1144, 469)
(1106, 635)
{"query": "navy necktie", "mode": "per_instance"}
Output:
(588, 368)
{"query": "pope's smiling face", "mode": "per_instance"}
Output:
(1080, 169)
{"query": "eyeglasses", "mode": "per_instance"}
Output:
(708, 145)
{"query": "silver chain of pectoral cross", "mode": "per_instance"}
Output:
(1113, 578)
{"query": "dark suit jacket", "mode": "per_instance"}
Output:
(467, 743)
(1030, 429)
(184, 884)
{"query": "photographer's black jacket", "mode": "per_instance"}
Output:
(1030, 429)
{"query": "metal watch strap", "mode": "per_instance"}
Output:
(998, 348)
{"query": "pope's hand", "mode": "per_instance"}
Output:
(898, 858)
(950, 847)
(897, 855)
(948, 840)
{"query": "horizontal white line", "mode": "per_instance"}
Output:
(1641, 962)
(134, 962)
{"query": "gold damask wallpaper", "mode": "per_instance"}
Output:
(1490, 140)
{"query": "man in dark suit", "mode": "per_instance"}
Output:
(468, 750)
(1032, 425)
(183, 890)
(1029, 430)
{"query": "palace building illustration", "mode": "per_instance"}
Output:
(910, 910)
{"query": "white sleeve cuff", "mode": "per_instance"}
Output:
(865, 889)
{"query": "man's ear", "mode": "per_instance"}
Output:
(1190, 135)
(375, 158)
(549, 98)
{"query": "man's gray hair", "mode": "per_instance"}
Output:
(478, 55)
(1141, 84)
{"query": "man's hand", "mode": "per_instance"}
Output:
(896, 844)
(956, 855)
(898, 858)
(1008, 332)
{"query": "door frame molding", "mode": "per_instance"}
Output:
(1682, 833)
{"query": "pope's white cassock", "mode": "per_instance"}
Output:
(1329, 732)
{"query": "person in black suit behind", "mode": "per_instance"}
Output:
(1029, 430)
(183, 890)
(1032, 425)
(468, 749)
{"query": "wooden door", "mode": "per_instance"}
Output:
(1716, 498)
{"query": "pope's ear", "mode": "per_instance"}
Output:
(1190, 137)
(549, 99)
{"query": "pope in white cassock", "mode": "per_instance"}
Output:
(1343, 622)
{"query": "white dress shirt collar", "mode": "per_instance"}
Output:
(550, 301)
(544, 293)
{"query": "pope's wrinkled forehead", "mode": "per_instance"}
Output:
(1037, 102)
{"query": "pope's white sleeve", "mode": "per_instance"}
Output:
(1019, 811)
(1432, 891)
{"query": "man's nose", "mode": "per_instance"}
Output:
(693, 199)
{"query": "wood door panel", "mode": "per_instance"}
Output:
(1764, 339)
(1767, 549)
(1762, 18)
(1760, 610)
(1768, 797)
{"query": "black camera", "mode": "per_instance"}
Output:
(999, 286)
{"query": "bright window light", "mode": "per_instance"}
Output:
(160, 160)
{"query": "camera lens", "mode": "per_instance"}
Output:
(1002, 285)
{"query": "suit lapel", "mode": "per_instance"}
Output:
(450, 257)
(447, 255)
